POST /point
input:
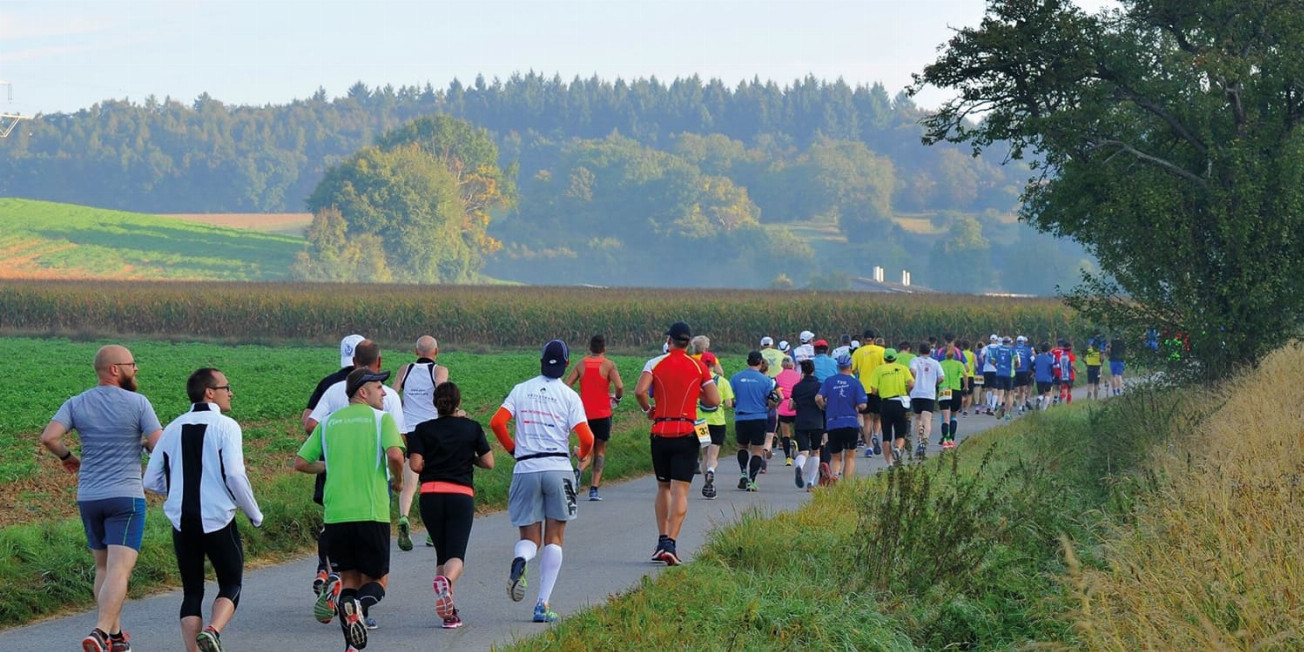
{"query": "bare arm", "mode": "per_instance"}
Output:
(613, 375)
(416, 462)
(394, 454)
(304, 466)
(710, 395)
(399, 377)
(574, 374)
(641, 394)
(485, 461)
(52, 438)
(152, 438)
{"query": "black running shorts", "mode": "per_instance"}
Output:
(675, 458)
(750, 432)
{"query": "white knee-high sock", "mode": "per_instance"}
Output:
(801, 460)
(527, 549)
(549, 567)
(812, 469)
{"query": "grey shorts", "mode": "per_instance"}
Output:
(534, 496)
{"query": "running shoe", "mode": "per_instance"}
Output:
(542, 614)
(96, 641)
(593, 495)
(921, 449)
(708, 489)
(444, 598)
(826, 474)
(878, 448)
(869, 451)
(430, 540)
(801, 484)
(742, 481)
(120, 642)
(670, 556)
(326, 606)
(751, 486)
(516, 580)
(355, 630)
(370, 622)
(404, 534)
(320, 582)
(789, 462)
(209, 640)
(452, 622)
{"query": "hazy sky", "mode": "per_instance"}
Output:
(62, 55)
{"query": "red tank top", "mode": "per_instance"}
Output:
(593, 389)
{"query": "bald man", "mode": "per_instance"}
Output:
(415, 383)
(113, 422)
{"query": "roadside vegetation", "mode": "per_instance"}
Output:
(1163, 519)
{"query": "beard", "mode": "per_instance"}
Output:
(126, 383)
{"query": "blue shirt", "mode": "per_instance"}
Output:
(1003, 359)
(1043, 367)
(750, 389)
(1025, 354)
(842, 393)
(824, 367)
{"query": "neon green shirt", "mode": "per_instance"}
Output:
(955, 374)
(716, 417)
(354, 440)
(891, 379)
(904, 359)
(774, 358)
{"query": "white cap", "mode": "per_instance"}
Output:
(995, 337)
(665, 347)
(806, 337)
(767, 341)
(855, 344)
(784, 346)
(1022, 338)
(346, 349)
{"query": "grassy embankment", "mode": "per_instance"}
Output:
(49, 240)
(44, 566)
(1159, 520)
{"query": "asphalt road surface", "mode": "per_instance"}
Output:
(607, 551)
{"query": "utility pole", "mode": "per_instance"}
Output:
(8, 120)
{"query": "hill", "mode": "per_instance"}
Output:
(48, 240)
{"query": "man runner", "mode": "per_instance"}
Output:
(415, 384)
(892, 382)
(753, 402)
(842, 397)
(600, 390)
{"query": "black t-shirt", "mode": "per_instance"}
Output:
(325, 384)
(1117, 349)
(809, 414)
(449, 446)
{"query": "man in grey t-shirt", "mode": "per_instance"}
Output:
(112, 421)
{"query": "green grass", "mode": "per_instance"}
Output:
(963, 552)
(51, 240)
(43, 559)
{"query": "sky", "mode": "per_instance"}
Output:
(65, 55)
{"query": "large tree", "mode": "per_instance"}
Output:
(1167, 137)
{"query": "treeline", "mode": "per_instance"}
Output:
(606, 170)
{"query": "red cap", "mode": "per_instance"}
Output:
(823, 343)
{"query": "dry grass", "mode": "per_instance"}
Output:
(1213, 559)
(287, 223)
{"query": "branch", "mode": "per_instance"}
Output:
(1162, 114)
(1153, 160)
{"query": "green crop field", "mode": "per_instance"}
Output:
(49, 240)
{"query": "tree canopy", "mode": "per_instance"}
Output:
(1167, 137)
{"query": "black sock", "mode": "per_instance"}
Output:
(787, 447)
(755, 467)
(742, 461)
(369, 595)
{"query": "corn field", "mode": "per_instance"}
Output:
(506, 316)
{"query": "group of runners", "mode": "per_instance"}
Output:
(365, 441)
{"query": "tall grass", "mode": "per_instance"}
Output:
(1210, 558)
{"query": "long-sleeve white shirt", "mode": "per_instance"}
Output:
(198, 464)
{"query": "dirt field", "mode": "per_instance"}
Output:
(287, 223)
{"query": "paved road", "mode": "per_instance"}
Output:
(607, 551)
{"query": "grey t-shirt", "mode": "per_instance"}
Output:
(110, 421)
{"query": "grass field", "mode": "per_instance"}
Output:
(45, 240)
(291, 224)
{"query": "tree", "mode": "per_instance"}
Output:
(1167, 136)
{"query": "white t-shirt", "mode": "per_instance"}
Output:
(989, 358)
(335, 398)
(928, 373)
(546, 410)
(804, 352)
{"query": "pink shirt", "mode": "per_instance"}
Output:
(786, 380)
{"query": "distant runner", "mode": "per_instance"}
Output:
(601, 391)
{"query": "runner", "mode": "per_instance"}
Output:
(715, 423)
(1043, 370)
(347, 346)
(825, 367)
(1005, 360)
(974, 391)
(844, 347)
(198, 465)
(773, 357)
(1117, 353)
(1023, 354)
(112, 421)
(843, 398)
(1092, 358)
(892, 383)
(951, 396)
(809, 421)
(416, 391)
(805, 350)
(444, 453)
(362, 446)
(986, 358)
(543, 483)
(679, 383)
(752, 394)
(929, 376)
(601, 390)
(1068, 371)
(864, 361)
(785, 381)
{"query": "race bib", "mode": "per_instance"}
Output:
(703, 432)
(944, 394)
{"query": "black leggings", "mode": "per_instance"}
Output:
(448, 519)
(224, 549)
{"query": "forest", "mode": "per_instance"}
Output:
(610, 173)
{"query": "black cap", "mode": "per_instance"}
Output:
(754, 358)
(556, 355)
(679, 331)
(359, 377)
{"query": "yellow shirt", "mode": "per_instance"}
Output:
(891, 379)
(865, 360)
(775, 359)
